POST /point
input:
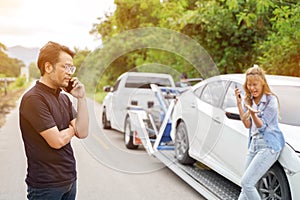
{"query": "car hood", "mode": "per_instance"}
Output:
(291, 135)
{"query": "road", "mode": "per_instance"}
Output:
(106, 169)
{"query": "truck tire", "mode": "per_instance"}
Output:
(128, 135)
(182, 145)
(274, 184)
(105, 122)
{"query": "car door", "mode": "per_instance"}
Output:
(209, 117)
(187, 105)
(231, 148)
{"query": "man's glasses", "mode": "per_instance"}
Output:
(70, 68)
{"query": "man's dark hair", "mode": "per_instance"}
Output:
(183, 75)
(50, 53)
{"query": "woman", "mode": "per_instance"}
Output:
(259, 113)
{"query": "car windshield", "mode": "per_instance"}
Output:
(145, 81)
(289, 104)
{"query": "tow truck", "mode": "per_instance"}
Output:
(144, 130)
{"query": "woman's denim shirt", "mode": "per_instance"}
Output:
(268, 107)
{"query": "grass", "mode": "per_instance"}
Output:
(9, 101)
(98, 97)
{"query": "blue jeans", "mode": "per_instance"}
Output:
(260, 159)
(58, 193)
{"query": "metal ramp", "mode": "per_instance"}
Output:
(207, 182)
(138, 116)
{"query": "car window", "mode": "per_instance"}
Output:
(115, 88)
(145, 81)
(213, 92)
(230, 99)
(198, 91)
(289, 104)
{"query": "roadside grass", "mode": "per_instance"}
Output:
(9, 101)
(98, 97)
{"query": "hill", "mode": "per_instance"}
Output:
(27, 55)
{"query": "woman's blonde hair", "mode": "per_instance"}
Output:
(257, 73)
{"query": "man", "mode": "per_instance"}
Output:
(183, 81)
(48, 122)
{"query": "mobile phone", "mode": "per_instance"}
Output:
(239, 94)
(70, 86)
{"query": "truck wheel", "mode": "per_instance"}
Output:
(105, 122)
(182, 145)
(128, 135)
(274, 184)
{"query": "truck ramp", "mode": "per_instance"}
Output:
(207, 182)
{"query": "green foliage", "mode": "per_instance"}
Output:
(2, 47)
(280, 53)
(19, 82)
(135, 14)
(99, 96)
(79, 58)
(228, 30)
(235, 33)
(34, 71)
(10, 67)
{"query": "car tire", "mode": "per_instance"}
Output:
(128, 135)
(105, 121)
(182, 145)
(274, 184)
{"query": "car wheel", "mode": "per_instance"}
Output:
(182, 145)
(274, 184)
(128, 135)
(105, 122)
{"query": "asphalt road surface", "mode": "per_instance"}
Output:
(106, 169)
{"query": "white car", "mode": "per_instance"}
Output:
(131, 88)
(206, 128)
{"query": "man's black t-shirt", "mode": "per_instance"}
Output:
(43, 108)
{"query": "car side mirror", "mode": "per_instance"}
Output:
(107, 88)
(232, 113)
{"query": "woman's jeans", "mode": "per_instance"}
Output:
(260, 159)
(59, 193)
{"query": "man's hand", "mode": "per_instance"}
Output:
(78, 90)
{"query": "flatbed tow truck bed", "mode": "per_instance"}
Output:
(207, 182)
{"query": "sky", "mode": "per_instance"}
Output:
(32, 23)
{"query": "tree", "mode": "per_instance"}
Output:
(235, 33)
(34, 71)
(131, 15)
(280, 52)
(10, 67)
(2, 47)
(79, 58)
